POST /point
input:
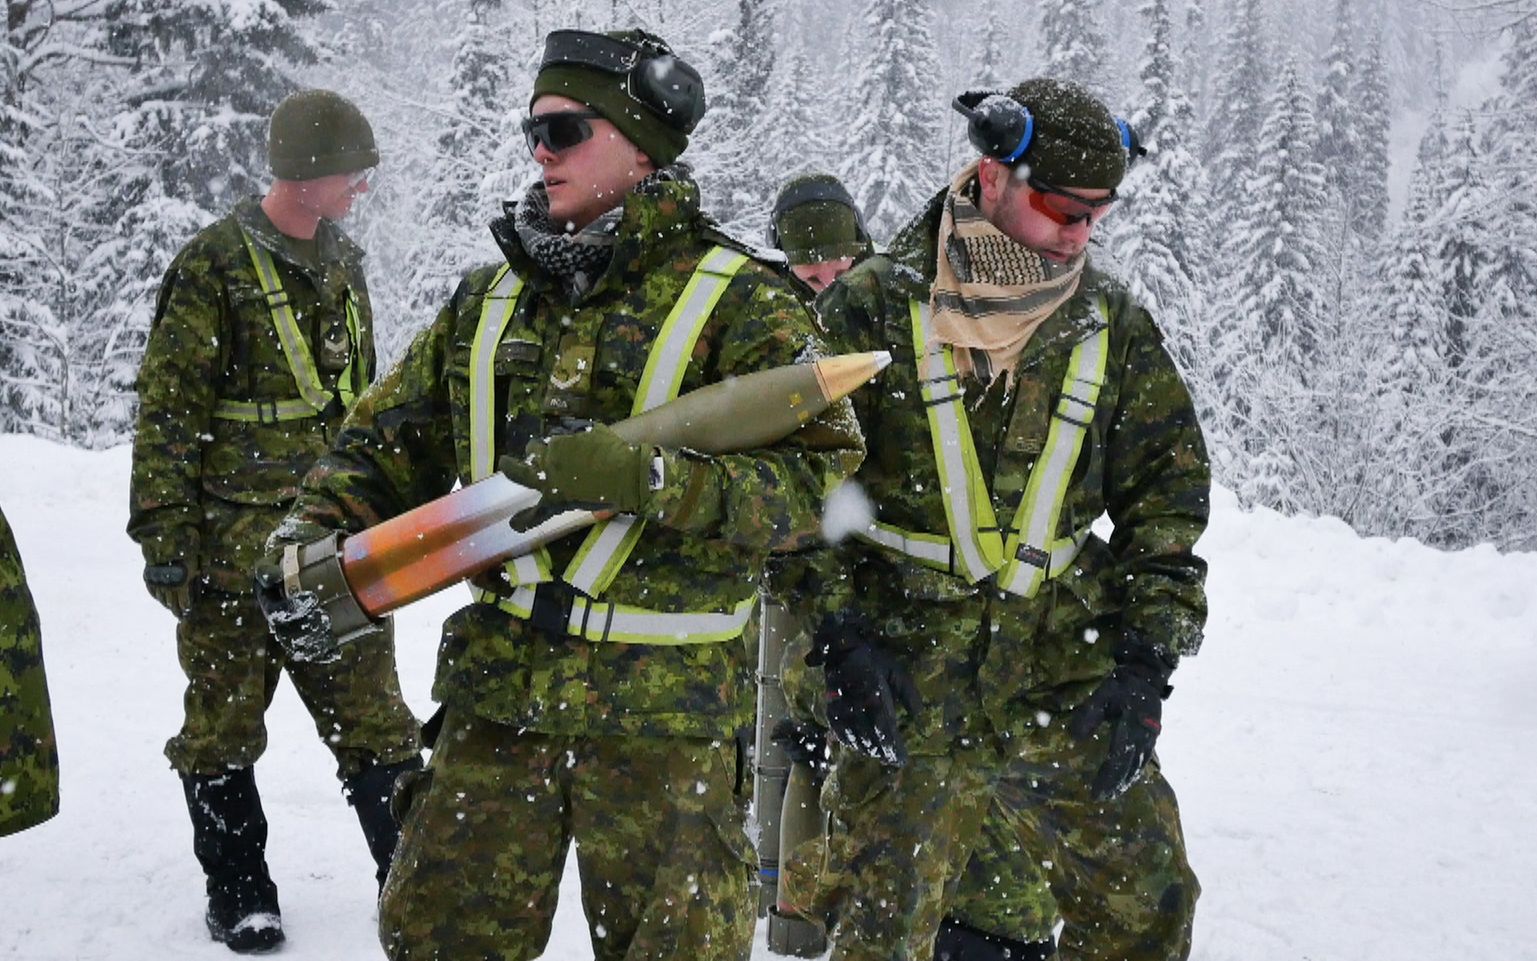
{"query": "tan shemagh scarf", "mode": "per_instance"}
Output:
(990, 293)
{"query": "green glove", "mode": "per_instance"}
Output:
(594, 469)
(172, 584)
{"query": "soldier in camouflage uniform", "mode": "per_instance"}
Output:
(590, 703)
(988, 659)
(261, 340)
(817, 225)
(29, 759)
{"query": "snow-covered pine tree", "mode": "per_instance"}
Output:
(453, 207)
(190, 139)
(1338, 128)
(893, 131)
(797, 141)
(729, 144)
(1237, 106)
(1374, 117)
(1157, 237)
(1075, 44)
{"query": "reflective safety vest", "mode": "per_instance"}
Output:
(609, 544)
(975, 548)
(313, 396)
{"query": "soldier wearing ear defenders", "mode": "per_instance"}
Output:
(994, 671)
(593, 689)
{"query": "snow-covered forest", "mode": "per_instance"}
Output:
(1335, 228)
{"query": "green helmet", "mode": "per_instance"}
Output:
(316, 133)
(816, 220)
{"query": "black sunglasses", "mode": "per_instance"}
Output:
(559, 130)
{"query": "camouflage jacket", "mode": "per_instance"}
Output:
(408, 441)
(1144, 463)
(29, 759)
(209, 488)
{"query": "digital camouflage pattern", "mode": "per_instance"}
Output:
(29, 758)
(408, 441)
(659, 834)
(232, 667)
(625, 725)
(210, 490)
(996, 669)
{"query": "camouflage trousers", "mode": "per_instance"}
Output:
(233, 667)
(974, 837)
(663, 855)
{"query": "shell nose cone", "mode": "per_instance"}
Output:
(882, 359)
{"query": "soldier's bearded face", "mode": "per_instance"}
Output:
(591, 178)
(331, 196)
(1006, 204)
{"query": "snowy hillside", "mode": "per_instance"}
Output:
(1352, 750)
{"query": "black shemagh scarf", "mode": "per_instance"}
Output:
(577, 259)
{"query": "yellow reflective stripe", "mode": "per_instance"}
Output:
(496, 310)
(601, 621)
(354, 378)
(625, 624)
(264, 412)
(1034, 550)
(603, 552)
(931, 549)
(495, 313)
(663, 376)
(610, 543)
(300, 362)
(968, 506)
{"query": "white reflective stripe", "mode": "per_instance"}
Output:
(530, 568)
(300, 363)
(600, 621)
(520, 604)
(598, 560)
(968, 507)
(495, 312)
(620, 623)
(931, 549)
(669, 356)
(1046, 492)
(610, 543)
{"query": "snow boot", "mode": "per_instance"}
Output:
(229, 837)
(961, 942)
(369, 794)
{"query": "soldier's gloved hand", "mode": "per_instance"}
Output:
(865, 684)
(172, 584)
(1130, 701)
(299, 624)
(804, 742)
(594, 469)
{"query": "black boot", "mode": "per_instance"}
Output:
(369, 794)
(961, 942)
(229, 837)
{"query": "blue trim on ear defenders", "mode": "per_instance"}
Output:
(1002, 127)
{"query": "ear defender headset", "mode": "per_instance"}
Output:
(654, 76)
(810, 192)
(1002, 127)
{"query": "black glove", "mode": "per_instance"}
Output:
(804, 742)
(173, 584)
(1130, 700)
(864, 686)
(299, 624)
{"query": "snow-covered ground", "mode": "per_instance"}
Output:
(1353, 750)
